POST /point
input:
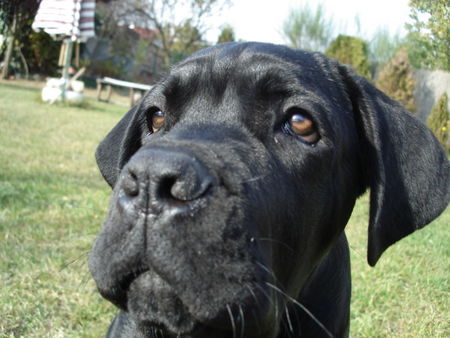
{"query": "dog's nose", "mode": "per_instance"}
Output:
(164, 177)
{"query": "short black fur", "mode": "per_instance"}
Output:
(221, 224)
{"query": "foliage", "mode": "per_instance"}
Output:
(439, 120)
(41, 52)
(178, 26)
(107, 67)
(143, 69)
(189, 40)
(226, 34)
(396, 79)
(116, 45)
(23, 10)
(430, 34)
(383, 46)
(351, 51)
(16, 17)
(123, 42)
(307, 28)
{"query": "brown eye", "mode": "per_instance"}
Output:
(301, 125)
(157, 120)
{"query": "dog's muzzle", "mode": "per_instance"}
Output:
(162, 179)
(177, 249)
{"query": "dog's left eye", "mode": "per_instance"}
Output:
(300, 124)
(156, 120)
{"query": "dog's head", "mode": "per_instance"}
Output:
(239, 171)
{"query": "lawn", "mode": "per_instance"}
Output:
(52, 203)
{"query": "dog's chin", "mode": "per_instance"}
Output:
(153, 304)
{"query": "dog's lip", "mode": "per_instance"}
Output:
(120, 295)
(184, 328)
(219, 325)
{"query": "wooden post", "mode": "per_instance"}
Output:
(67, 61)
(62, 53)
(67, 58)
(99, 88)
(77, 54)
(108, 92)
(131, 97)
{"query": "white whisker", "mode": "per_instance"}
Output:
(233, 325)
(254, 179)
(302, 307)
(241, 313)
(270, 300)
(288, 317)
(276, 242)
(266, 269)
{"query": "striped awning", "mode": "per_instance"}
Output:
(66, 18)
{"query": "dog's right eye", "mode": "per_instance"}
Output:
(156, 120)
(300, 124)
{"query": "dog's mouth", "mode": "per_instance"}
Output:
(210, 287)
(154, 304)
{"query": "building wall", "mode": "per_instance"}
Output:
(430, 85)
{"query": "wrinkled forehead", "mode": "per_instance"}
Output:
(254, 84)
(261, 72)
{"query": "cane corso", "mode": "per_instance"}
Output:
(233, 180)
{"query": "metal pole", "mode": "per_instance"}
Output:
(65, 71)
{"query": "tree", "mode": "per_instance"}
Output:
(307, 28)
(15, 15)
(351, 51)
(41, 52)
(226, 34)
(396, 79)
(189, 40)
(429, 36)
(179, 25)
(383, 46)
(438, 121)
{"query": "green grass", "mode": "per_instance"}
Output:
(53, 200)
(407, 293)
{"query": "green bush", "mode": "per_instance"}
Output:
(226, 34)
(43, 53)
(102, 68)
(429, 34)
(396, 79)
(438, 121)
(351, 51)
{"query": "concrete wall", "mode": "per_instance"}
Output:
(430, 85)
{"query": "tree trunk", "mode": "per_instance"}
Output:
(10, 48)
(24, 63)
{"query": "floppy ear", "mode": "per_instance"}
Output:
(119, 145)
(404, 165)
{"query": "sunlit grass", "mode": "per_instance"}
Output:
(53, 200)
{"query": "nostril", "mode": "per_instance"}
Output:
(130, 184)
(183, 188)
(164, 191)
(157, 178)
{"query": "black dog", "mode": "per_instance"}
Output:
(233, 181)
